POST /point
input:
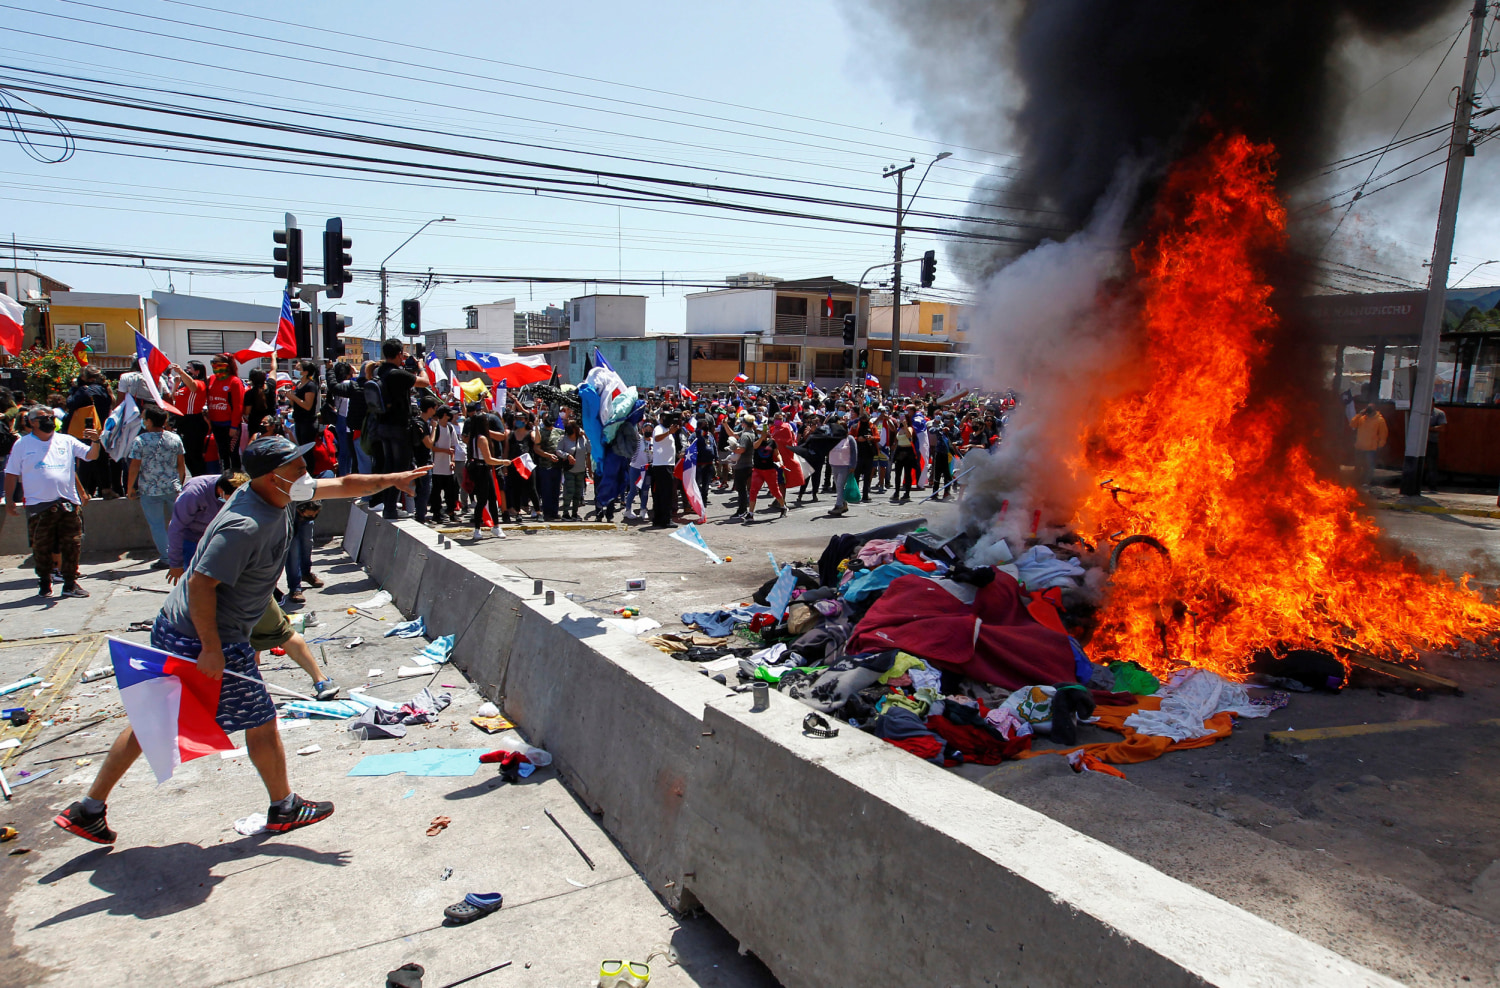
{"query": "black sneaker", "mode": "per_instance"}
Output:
(73, 590)
(301, 814)
(80, 822)
(44, 588)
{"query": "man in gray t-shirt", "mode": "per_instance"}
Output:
(244, 550)
(209, 614)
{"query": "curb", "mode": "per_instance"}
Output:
(1438, 509)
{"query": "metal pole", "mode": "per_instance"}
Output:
(315, 330)
(896, 296)
(382, 303)
(1419, 417)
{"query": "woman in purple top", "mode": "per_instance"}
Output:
(195, 507)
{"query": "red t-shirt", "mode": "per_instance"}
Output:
(325, 455)
(191, 403)
(226, 398)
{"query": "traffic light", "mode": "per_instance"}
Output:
(929, 268)
(411, 317)
(848, 359)
(302, 323)
(335, 262)
(333, 325)
(864, 360)
(849, 322)
(289, 255)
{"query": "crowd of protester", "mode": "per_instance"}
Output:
(522, 457)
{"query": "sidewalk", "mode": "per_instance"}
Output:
(183, 899)
(1436, 502)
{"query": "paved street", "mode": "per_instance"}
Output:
(184, 900)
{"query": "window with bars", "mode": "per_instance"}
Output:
(207, 342)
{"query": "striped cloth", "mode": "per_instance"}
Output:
(242, 704)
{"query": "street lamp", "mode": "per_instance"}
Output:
(440, 219)
(901, 210)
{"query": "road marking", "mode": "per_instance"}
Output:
(60, 672)
(1350, 731)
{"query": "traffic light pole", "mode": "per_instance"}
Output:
(309, 294)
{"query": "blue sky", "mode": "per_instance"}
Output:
(775, 95)
(799, 59)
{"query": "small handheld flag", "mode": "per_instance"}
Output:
(741, 378)
(689, 395)
(871, 381)
(171, 706)
(524, 465)
(256, 350)
(286, 329)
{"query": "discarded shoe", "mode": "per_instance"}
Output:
(405, 976)
(473, 906)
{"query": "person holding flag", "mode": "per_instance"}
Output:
(208, 618)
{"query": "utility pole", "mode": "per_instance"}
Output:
(900, 174)
(1419, 416)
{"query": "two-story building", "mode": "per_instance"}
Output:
(109, 321)
(780, 333)
(615, 325)
(488, 328)
(934, 346)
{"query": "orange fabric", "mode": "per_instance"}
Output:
(1044, 606)
(1139, 747)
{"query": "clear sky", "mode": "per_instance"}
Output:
(791, 97)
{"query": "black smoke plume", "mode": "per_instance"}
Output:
(1103, 83)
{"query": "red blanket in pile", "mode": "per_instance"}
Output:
(995, 640)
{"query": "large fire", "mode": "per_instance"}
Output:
(1264, 552)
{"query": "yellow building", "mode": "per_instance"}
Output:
(110, 322)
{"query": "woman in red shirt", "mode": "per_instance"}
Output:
(191, 399)
(226, 407)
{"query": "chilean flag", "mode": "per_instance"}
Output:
(12, 324)
(255, 351)
(524, 464)
(741, 378)
(286, 329)
(689, 395)
(153, 364)
(171, 706)
(516, 370)
(687, 472)
(871, 381)
(808, 390)
(828, 305)
(435, 368)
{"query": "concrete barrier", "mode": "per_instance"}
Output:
(119, 525)
(826, 857)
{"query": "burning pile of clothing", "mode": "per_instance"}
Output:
(960, 650)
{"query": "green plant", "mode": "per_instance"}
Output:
(47, 371)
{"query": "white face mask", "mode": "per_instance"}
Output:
(302, 488)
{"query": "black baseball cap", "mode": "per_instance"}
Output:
(269, 452)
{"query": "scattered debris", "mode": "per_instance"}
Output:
(438, 825)
(581, 852)
(251, 825)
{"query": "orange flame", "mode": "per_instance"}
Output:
(1263, 551)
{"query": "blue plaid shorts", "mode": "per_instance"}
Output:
(242, 705)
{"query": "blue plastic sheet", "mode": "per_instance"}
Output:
(429, 761)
